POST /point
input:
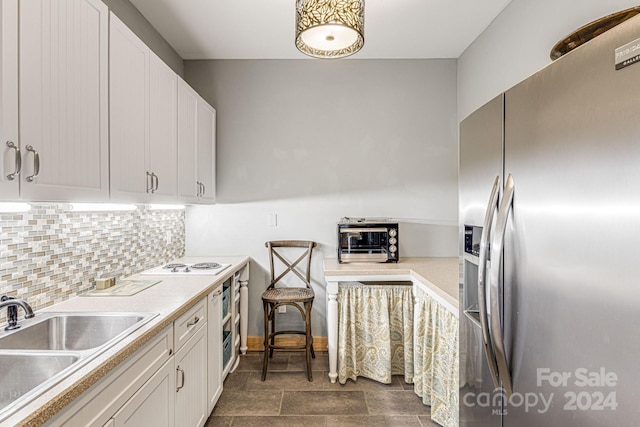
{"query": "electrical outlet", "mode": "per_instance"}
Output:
(168, 237)
(272, 220)
(282, 309)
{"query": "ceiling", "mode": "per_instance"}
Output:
(265, 29)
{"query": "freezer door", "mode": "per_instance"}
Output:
(481, 156)
(481, 146)
(572, 293)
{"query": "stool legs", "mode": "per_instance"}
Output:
(265, 361)
(308, 339)
(273, 329)
(270, 334)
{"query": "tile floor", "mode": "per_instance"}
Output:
(286, 398)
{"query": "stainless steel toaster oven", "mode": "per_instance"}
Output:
(367, 240)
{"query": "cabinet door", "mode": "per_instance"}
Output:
(98, 404)
(191, 381)
(9, 183)
(187, 138)
(63, 92)
(163, 135)
(153, 404)
(129, 108)
(214, 348)
(206, 151)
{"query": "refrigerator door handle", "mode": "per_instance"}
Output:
(497, 245)
(492, 206)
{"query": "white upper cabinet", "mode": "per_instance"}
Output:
(206, 151)
(89, 113)
(61, 105)
(187, 137)
(197, 147)
(11, 157)
(143, 120)
(129, 113)
(163, 134)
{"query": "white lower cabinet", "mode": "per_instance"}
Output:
(191, 381)
(174, 380)
(153, 404)
(97, 406)
(214, 348)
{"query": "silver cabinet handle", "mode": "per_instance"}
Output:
(179, 369)
(152, 182)
(36, 164)
(149, 182)
(195, 320)
(18, 161)
(497, 245)
(492, 206)
(199, 191)
(216, 294)
(204, 189)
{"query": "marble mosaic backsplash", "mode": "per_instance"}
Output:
(50, 254)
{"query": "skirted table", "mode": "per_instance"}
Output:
(397, 319)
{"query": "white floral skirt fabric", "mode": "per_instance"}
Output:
(382, 333)
(436, 359)
(375, 336)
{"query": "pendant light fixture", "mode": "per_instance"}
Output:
(329, 28)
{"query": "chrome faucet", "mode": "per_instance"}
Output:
(12, 304)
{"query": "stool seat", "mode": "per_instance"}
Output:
(282, 295)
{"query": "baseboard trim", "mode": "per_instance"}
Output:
(257, 343)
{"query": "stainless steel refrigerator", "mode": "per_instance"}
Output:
(550, 217)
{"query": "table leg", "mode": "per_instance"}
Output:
(332, 329)
(244, 314)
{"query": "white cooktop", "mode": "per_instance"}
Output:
(210, 268)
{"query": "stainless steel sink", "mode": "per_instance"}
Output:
(73, 331)
(23, 372)
(51, 346)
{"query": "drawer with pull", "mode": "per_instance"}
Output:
(189, 323)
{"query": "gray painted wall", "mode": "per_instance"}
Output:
(312, 141)
(128, 14)
(517, 44)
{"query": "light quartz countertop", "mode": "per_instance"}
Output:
(439, 275)
(170, 298)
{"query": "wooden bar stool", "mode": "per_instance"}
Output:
(300, 298)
